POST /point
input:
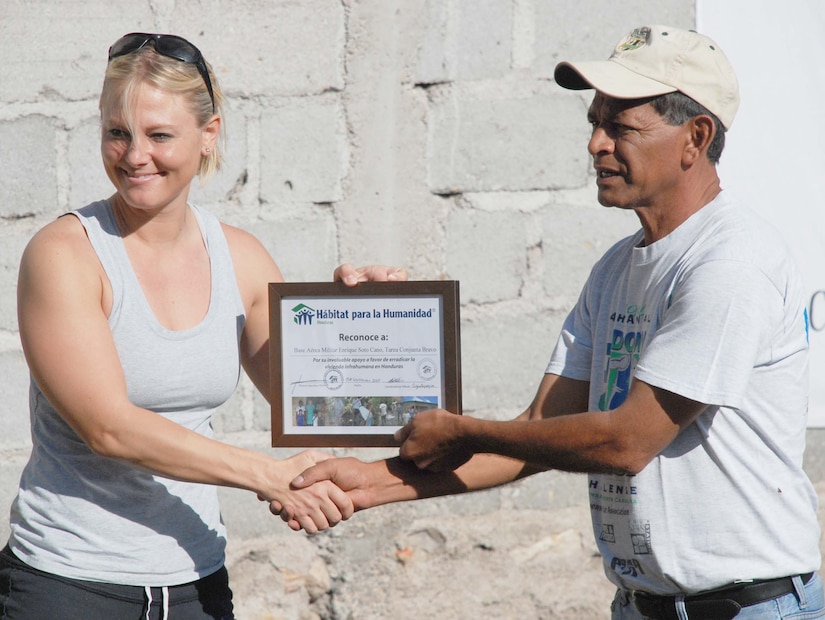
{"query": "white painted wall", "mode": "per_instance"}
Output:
(775, 156)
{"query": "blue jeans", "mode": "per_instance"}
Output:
(808, 603)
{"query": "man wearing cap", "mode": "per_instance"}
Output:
(679, 381)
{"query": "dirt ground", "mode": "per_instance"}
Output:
(405, 562)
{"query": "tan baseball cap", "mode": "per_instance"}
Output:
(655, 60)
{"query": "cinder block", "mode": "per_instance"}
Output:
(466, 40)
(589, 231)
(303, 151)
(271, 48)
(482, 143)
(230, 182)
(261, 413)
(387, 213)
(57, 49)
(406, 229)
(568, 31)
(87, 177)
(504, 356)
(229, 417)
(14, 394)
(303, 247)
(486, 252)
(29, 180)
(13, 240)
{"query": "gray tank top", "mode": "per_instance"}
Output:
(89, 517)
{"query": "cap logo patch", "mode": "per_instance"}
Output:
(634, 40)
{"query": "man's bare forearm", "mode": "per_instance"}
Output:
(396, 480)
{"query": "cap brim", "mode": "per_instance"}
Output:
(610, 78)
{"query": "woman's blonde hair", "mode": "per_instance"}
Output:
(125, 74)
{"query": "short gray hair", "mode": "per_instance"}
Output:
(677, 108)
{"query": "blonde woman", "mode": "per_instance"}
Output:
(136, 314)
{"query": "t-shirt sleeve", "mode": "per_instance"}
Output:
(713, 333)
(573, 353)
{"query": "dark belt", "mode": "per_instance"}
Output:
(722, 604)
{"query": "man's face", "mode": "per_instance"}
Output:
(636, 154)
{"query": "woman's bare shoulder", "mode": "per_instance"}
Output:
(59, 247)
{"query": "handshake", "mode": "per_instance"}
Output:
(315, 491)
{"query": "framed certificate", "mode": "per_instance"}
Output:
(351, 365)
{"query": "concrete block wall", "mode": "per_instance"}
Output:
(423, 133)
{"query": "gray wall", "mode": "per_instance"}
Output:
(420, 133)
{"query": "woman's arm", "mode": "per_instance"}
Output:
(63, 303)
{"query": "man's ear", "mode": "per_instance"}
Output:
(701, 131)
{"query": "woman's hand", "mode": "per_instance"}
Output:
(313, 509)
(351, 276)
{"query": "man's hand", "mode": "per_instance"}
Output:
(351, 276)
(433, 441)
(380, 482)
(313, 509)
(348, 475)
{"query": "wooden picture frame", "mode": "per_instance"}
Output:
(351, 365)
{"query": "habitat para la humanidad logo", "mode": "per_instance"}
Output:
(303, 314)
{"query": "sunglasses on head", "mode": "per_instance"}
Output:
(168, 45)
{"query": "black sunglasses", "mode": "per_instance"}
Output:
(169, 45)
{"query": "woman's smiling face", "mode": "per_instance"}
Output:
(152, 157)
